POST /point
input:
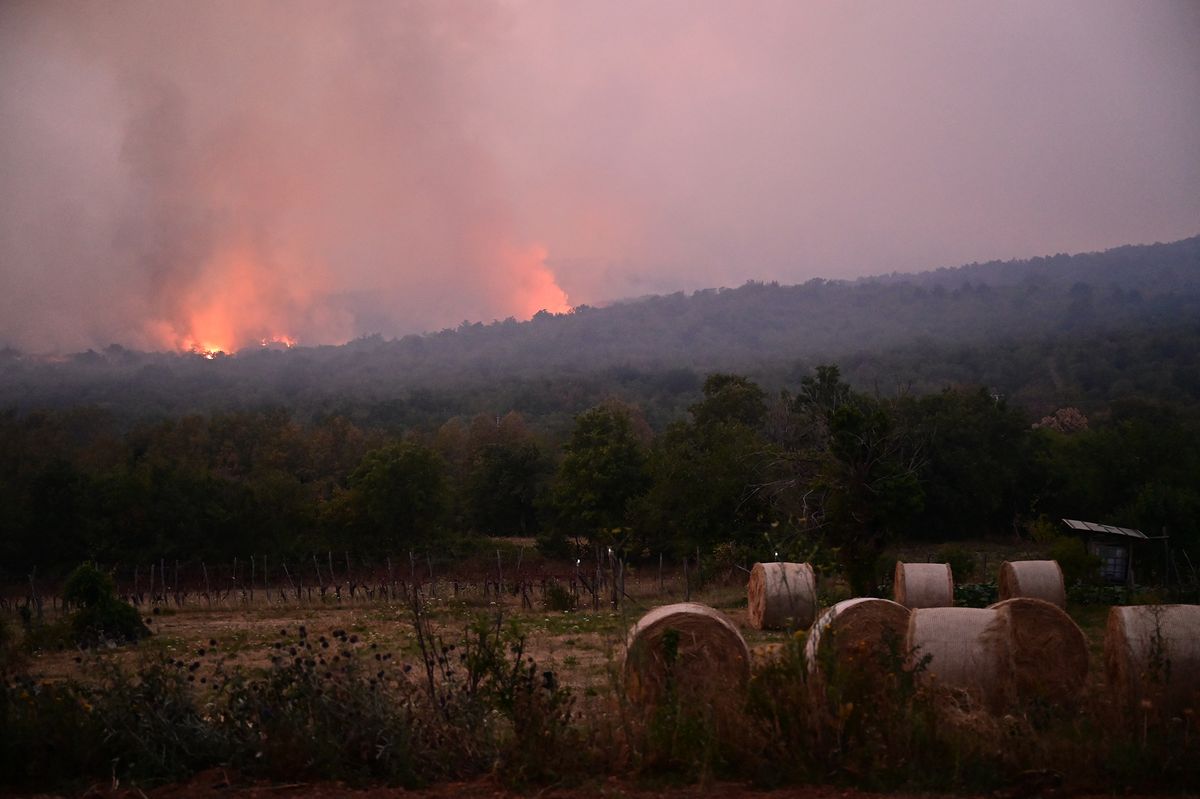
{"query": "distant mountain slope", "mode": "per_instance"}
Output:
(756, 328)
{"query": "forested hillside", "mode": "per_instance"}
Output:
(1082, 329)
(983, 400)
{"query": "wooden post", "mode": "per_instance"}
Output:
(687, 584)
(660, 574)
(33, 592)
(207, 592)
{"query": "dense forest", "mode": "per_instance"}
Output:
(971, 401)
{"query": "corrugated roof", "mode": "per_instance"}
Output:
(1093, 527)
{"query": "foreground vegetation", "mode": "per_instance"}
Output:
(422, 691)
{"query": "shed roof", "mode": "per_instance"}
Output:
(1093, 527)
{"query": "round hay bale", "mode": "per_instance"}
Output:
(924, 585)
(1036, 579)
(688, 647)
(1152, 655)
(962, 649)
(858, 635)
(1047, 651)
(781, 596)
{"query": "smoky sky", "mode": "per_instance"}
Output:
(176, 173)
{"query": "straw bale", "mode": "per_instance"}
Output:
(924, 585)
(781, 596)
(1152, 656)
(688, 646)
(858, 634)
(967, 649)
(1038, 579)
(1047, 651)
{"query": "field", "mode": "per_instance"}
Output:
(359, 680)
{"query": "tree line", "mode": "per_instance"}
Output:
(816, 465)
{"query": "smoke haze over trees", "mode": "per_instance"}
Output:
(1048, 332)
(209, 175)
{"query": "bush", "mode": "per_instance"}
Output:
(976, 595)
(1077, 564)
(10, 654)
(962, 562)
(558, 597)
(100, 615)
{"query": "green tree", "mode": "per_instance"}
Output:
(859, 473)
(730, 399)
(705, 487)
(503, 487)
(395, 497)
(603, 470)
(975, 469)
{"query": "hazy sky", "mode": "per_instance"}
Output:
(209, 173)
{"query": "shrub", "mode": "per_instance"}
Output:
(558, 597)
(10, 654)
(962, 562)
(976, 595)
(1077, 564)
(100, 615)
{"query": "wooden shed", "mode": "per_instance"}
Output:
(1113, 545)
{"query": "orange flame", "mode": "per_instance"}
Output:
(237, 302)
(534, 286)
(240, 300)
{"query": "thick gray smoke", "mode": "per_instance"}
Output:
(221, 173)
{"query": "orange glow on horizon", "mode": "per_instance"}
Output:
(240, 301)
(535, 286)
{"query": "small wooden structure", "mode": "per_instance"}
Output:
(1113, 545)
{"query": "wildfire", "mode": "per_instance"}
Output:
(535, 286)
(244, 297)
(238, 301)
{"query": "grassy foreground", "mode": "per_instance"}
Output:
(443, 687)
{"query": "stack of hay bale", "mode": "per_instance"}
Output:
(1023, 648)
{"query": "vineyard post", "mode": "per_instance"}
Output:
(33, 592)
(687, 585)
(660, 574)
(252, 564)
(207, 592)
